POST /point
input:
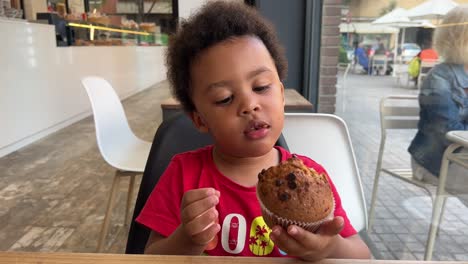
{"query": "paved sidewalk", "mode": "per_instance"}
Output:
(403, 211)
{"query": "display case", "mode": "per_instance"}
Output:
(11, 9)
(94, 34)
(113, 22)
(163, 13)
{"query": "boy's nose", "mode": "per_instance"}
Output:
(249, 105)
(249, 110)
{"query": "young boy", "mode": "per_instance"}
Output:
(225, 66)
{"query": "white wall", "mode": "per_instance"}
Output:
(76, 5)
(40, 89)
(32, 7)
(188, 7)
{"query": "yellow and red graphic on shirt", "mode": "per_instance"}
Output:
(260, 243)
(235, 235)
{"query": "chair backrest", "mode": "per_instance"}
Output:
(325, 139)
(380, 59)
(424, 68)
(110, 121)
(175, 135)
(379, 64)
(399, 112)
(428, 64)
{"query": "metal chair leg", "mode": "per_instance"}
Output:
(442, 210)
(110, 204)
(373, 201)
(129, 198)
(438, 204)
(436, 216)
(376, 184)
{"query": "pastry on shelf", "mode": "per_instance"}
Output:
(129, 24)
(98, 18)
(148, 27)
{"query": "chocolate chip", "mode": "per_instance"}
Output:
(283, 196)
(291, 177)
(278, 182)
(292, 185)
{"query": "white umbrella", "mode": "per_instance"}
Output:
(431, 9)
(397, 18)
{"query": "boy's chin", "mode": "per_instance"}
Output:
(252, 150)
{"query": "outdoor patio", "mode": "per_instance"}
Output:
(403, 211)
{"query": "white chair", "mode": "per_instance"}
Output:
(424, 67)
(396, 113)
(459, 141)
(325, 139)
(119, 147)
(400, 71)
(379, 64)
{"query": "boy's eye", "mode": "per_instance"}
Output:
(224, 101)
(261, 88)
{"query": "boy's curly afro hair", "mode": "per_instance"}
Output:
(214, 23)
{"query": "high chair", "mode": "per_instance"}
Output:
(175, 135)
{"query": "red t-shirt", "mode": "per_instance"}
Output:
(243, 230)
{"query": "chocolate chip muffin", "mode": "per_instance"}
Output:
(291, 193)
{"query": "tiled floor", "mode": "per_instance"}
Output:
(53, 192)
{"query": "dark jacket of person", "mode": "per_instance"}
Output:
(444, 107)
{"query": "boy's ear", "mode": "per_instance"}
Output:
(198, 121)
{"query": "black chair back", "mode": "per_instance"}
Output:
(175, 135)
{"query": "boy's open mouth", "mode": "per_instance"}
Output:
(256, 125)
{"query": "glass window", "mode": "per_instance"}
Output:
(399, 89)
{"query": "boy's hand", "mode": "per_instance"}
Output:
(199, 215)
(307, 245)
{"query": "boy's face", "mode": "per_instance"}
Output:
(238, 96)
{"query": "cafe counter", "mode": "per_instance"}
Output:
(40, 90)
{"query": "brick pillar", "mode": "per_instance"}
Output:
(331, 18)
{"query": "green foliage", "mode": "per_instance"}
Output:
(342, 56)
(392, 5)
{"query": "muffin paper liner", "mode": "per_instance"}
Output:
(283, 222)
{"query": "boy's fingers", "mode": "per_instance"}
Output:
(310, 240)
(193, 210)
(332, 227)
(285, 242)
(299, 234)
(197, 194)
(202, 222)
(207, 235)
